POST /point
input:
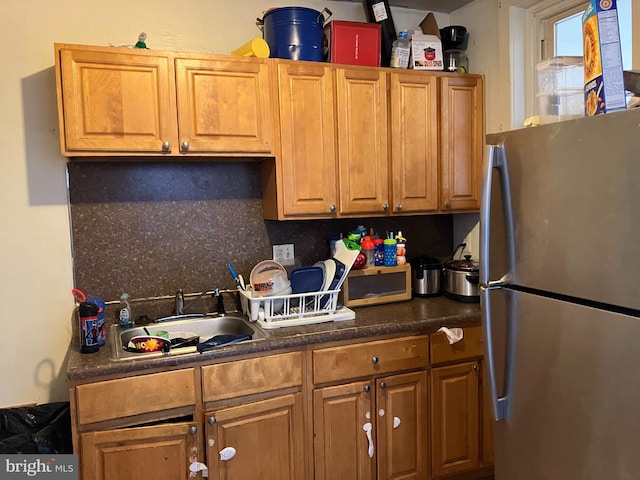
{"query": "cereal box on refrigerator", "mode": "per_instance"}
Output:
(603, 73)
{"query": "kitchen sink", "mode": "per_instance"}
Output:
(198, 328)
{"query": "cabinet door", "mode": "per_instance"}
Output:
(115, 102)
(487, 424)
(163, 452)
(455, 418)
(344, 432)
(362, 141)
(224, 106)
(401, 405)
(261, 440)
(414, 142)
(307, 134)
(462, 127)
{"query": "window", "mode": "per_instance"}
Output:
(540, 29)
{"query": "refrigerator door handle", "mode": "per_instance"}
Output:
(496, 160)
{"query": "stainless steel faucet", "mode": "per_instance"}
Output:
(179, 302)
(218, 296)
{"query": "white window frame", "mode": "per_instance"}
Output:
(531, 26)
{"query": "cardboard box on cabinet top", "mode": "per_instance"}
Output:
(426, 47)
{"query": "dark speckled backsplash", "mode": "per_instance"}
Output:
(151, 228)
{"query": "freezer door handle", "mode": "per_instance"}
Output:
(499, 404)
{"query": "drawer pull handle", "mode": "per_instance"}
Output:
(375, 360)
(383, 385)
(212, 420)
(367, 388)
(193, 430)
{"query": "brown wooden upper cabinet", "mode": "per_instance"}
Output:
(117, 101)
(414, 142)
(362, 141)
(346, 141)
(305, 181)
(462, 140)
(371, 141)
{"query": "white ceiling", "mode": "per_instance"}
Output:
(443, 6)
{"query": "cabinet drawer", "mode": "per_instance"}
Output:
(469, 347)
(124, 397)
(371, 358)
(254, 375)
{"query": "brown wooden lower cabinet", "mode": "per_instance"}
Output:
(374, 429)
(162, 452)
(455, 418)
(340, 442)
(410, 408)
(258, 441)
(403, 439)
(487, 426)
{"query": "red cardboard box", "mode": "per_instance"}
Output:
(352, 43)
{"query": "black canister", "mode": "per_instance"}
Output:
(378, 11)
(89, 328)
(426, 273)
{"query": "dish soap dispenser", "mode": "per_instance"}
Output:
(126, 319)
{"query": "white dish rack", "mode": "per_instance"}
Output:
(295, 309)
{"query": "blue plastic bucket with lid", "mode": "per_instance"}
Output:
(294, 33)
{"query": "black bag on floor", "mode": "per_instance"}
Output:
(39, 429)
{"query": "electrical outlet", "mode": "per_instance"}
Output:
(284, 254)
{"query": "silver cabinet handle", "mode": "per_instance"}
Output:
(375, 360)
(399, 207)
(367, 388)
(383, 385)
(193, 430)
(166, 146)
(212, 420)
(332, 208)
(385, 207)
(185, 146)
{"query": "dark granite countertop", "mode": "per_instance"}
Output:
(423, 315)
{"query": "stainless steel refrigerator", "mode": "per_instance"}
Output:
(560, 298)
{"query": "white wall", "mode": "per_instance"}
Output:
(35, 261)
(481, 19)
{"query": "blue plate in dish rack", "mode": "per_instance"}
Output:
(306, 280)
